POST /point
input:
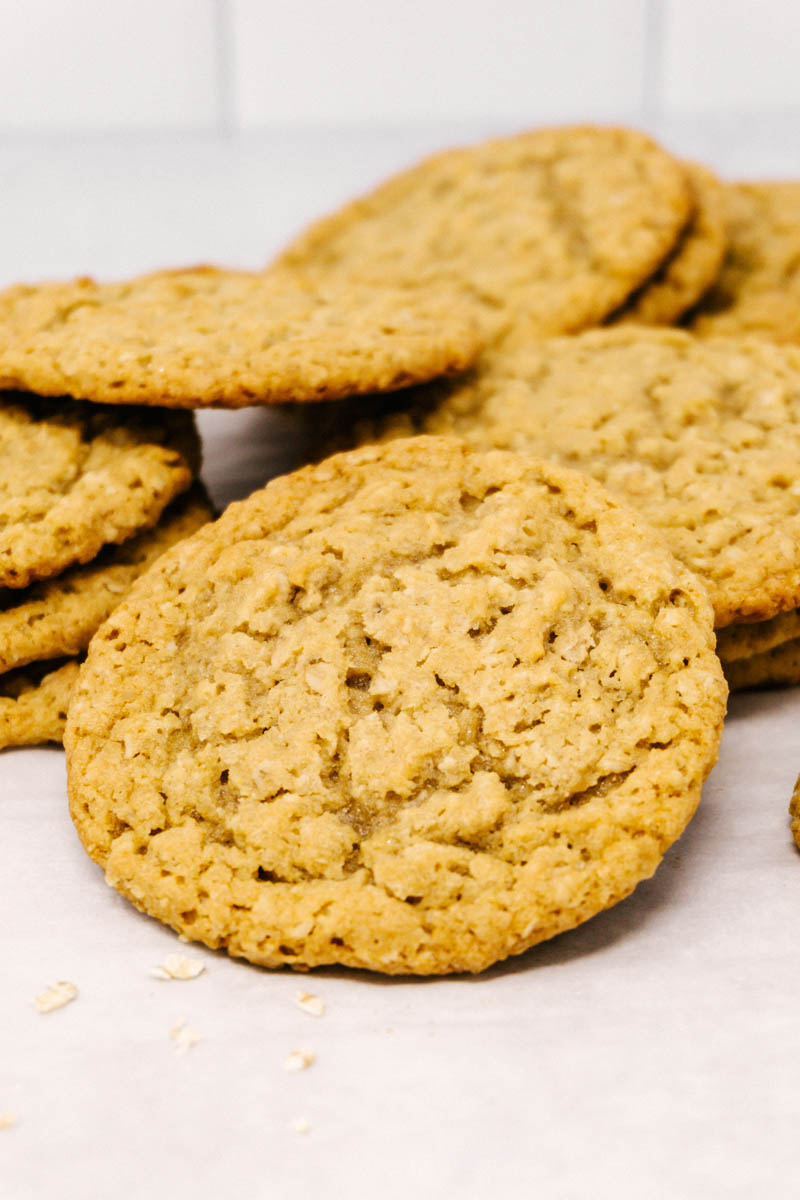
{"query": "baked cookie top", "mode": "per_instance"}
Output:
(412, 709)
(758, 290)
(207, 336)
(692, 265)
(548, 231)
(701, 436)
(57, 617)
(74, 477)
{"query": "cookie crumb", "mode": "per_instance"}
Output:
(56, 996)
(7, 1119)
(299, 1060)
(311, 1004)
(300, 1125)
(175, 966)
(183, 1036)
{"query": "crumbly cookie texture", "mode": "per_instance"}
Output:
(548, 231)
(701, 436)
(75, 477)
(692, 266)
(758, 290)
(34, 702)
(747, 638)
(778, 667)
(207, 336)
(59, 616)
(413, 709)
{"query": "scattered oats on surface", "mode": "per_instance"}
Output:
(299, 1060)
(313, 1005)
(56, 996)
(176, 966)
(300, 1125)
(7, 1119)
(183, 1036)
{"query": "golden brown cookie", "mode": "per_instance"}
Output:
(747, 638)
(691, 266)
(547, 232)
(58, 617)
(75, 477)
(206, 336)
(701, 436)
(413, 709)
(794, 812)
(778, 667)
(33, 703)
(758, 290)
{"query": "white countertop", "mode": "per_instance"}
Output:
(653, 1052)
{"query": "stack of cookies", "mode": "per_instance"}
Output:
(455, 689)
(89, 497)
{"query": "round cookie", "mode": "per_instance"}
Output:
(34, 702)
(205, 336)
(75, 477)
(413, 709)
(548, 231)
(701, 436)
(778, 667)
(747, 638)
(758, 290)
(692, 266)
(58, 617)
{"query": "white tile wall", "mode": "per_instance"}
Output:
(244, 64)
(100, 64)
(730, 54)
(420, 59)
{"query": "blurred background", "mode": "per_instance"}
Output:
(135, 133)
(234, 65)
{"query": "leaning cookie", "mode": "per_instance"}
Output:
(34, 702)
(758, 290)
(748, 638)
(58, 617)
(702, 436)
(413, 709)
(692, 266)
(76, 477)
(779, 667)
(545, 232)
(207, 336)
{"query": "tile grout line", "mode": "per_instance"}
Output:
(225, 65)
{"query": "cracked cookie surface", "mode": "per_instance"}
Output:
(75, 477)
(701, 436)
(413, 709)
(58, 617)
(547, 232)
(207, 336)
